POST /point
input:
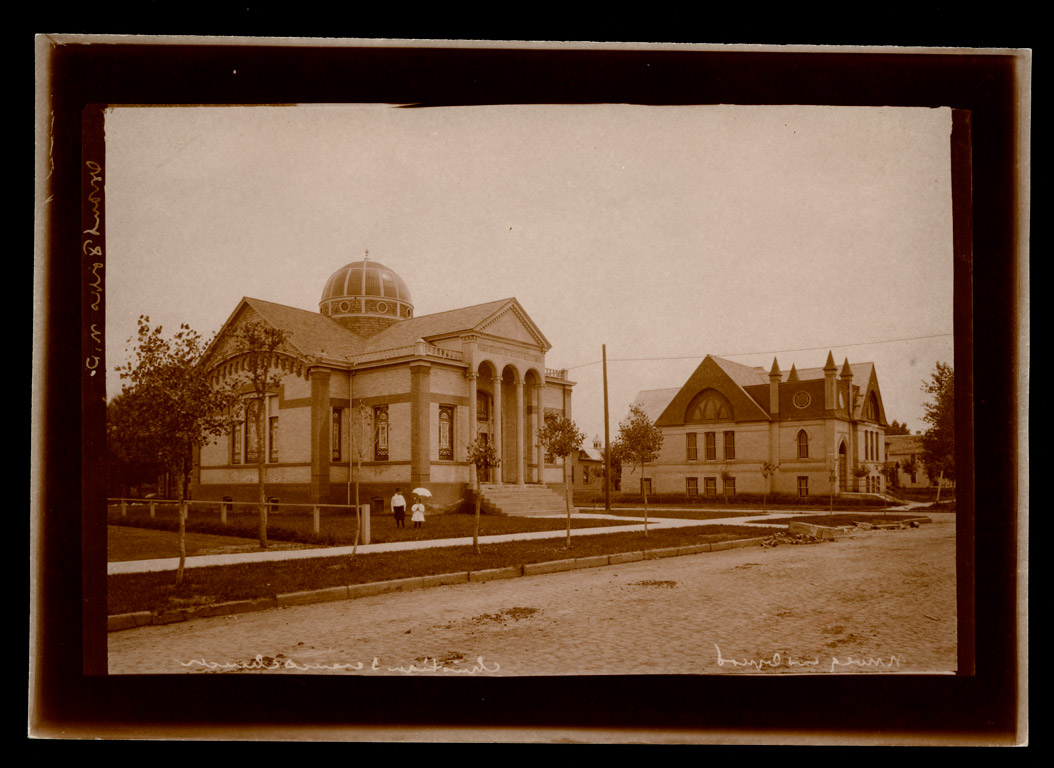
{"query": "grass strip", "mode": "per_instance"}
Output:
(156, 592)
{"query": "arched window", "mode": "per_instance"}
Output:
(709, 405)
(803, 444)
(871, 409)
(446, 432)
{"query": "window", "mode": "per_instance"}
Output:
(446, 433)
(730, 445)
(237, 441)
(709, 405)
(482, 406)
(710, 486)
(252, 441)
(803, 485)
(585, 475)
(691, 487)
(645, 485)
(730, 486)
(380, 433)
(871, 409)
(272, 432)
(711, 446)
(691, 447)
(803, 444)
(336, 433)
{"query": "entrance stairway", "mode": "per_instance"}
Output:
(521, 500)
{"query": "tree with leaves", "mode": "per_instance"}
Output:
(768, 470)
(257, 343)
(561, 437)
(726, 476)
(938, 442)
(482, 455)
(170, 407)
(896, 428)
(639, 442)
(362, 435)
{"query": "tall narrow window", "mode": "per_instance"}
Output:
(380, 433)
(446, 433)
(803, 485)
(710, 486)
(803, 444)
(336, 434)
(691, 448)
(272, 432)
(691, 486)
(711, 446)
(237, 441)
(645, 485)
(253, 453)
(730, 445)
(730, 486)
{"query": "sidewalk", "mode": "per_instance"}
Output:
(632, 524)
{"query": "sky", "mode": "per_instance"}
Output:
(664, 233)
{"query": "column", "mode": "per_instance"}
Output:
(539, 422)
(496, 430)
(472, 414)
(420, 432)
(320, 442)
(519, 431)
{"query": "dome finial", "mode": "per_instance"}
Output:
(367, 257)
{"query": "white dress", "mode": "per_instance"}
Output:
(419, 514)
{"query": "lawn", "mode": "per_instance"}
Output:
(338, 529)
(157, 592)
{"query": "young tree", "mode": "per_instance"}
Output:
(482, 455)
(616, 468)
(938, 442)
(170, 407)
(768, 470)
(639, 442)
(725, 477)
(561, 437)
(362, 436)
(257, 344)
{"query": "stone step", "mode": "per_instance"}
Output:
(522, 500)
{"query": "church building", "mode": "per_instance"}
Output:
(821, 428)
(366, 383)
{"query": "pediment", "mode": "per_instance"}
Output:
(512, 323)
(710, 377)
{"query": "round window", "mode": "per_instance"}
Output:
(382, 307)
(344, 306)
(802, 399)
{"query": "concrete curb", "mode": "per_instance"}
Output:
(123, 621)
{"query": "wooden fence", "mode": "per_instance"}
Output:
(225, 507)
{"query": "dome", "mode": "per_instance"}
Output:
(366, 296)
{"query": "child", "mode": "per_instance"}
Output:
(418, 509)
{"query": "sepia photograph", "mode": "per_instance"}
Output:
(545, 394)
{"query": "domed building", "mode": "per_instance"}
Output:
(371, 392)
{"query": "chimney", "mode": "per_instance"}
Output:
(774, 387)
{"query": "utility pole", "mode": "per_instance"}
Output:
(607, 436)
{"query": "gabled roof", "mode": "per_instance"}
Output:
(451, 323)
(654, 401)
(311, 333)
(731, 379)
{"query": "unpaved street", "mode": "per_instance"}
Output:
(881, 601)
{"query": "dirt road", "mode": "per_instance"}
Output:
(874, 602)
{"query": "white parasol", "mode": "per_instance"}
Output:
(423, 492)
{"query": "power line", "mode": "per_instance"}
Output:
(769, 352)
